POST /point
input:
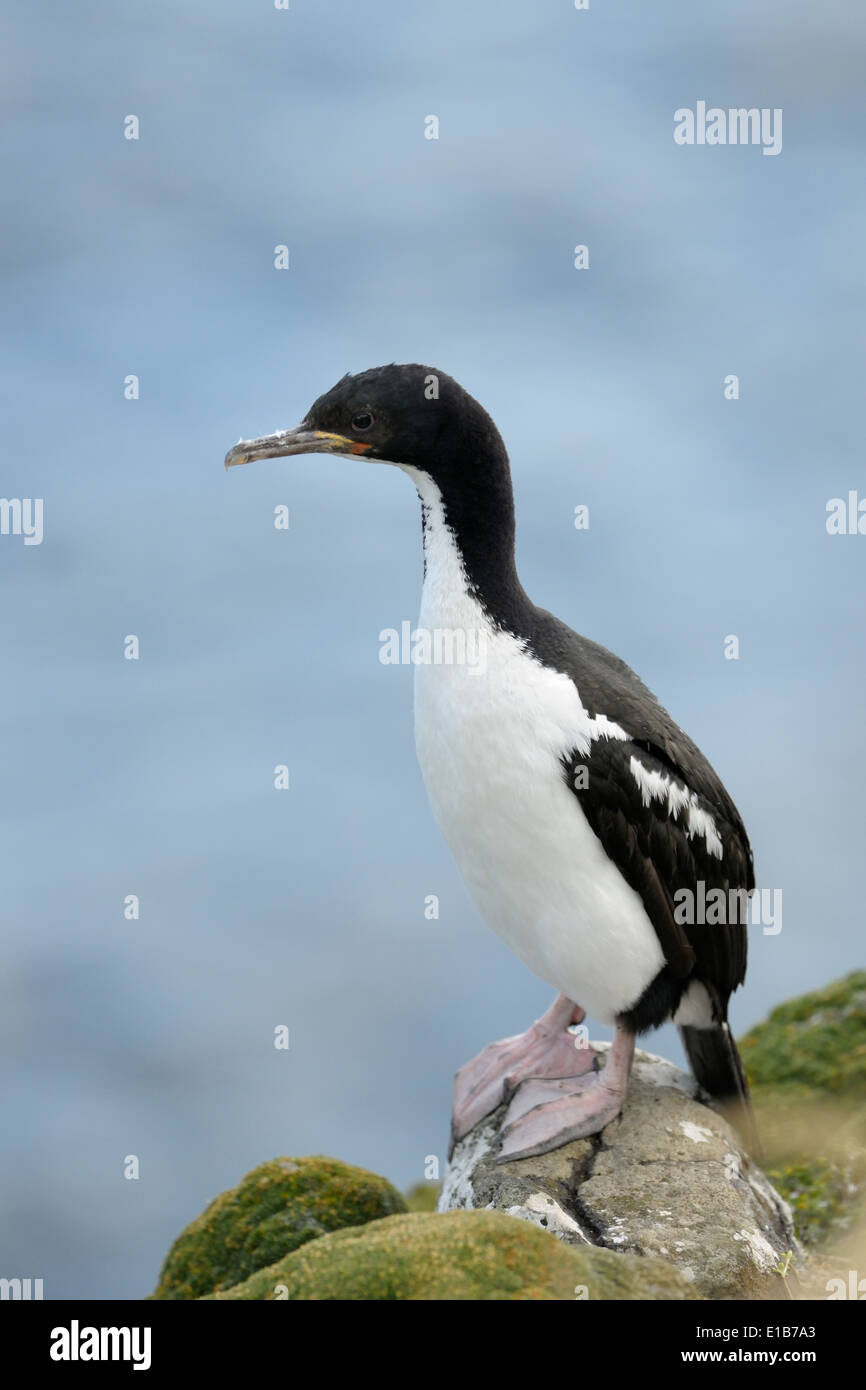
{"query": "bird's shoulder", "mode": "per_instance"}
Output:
(608, 686)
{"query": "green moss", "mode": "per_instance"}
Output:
(807, 1069)
(275, 1209)
(817, 1041)
(458, 1255)
(820, 1194)
(423, 1196)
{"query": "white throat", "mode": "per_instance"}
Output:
(446, 599)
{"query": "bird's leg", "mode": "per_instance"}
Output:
(545, 1049)
(546, 1113)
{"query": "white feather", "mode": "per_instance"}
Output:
(695, 1008)
(490, 748)
(658, 786)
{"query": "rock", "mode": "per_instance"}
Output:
(668, 1179)
(461, 1255)
(275, 1209)
(807, 1068)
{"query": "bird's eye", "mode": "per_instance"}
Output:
(362, 421)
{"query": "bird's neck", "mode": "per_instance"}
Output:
(469, 550)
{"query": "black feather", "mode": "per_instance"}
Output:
(717, 1066)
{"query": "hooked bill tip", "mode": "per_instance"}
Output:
(236, 455)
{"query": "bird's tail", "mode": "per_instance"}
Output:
(717, 1066)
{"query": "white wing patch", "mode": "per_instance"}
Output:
(602, 727)
(658, 786)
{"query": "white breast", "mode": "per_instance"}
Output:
(490, 736)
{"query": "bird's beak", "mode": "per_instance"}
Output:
(302, 440)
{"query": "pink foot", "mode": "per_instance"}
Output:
(546, 1113)
(546, 1049)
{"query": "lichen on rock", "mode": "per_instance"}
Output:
(668, 1180)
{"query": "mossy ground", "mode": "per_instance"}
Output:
(817, 1041)
(423, 1196)
(821, 1196)
(275, 1209)
(458, 1256)
(807, 1069)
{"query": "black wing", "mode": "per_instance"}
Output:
(660, 844)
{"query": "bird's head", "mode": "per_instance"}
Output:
(412, 416)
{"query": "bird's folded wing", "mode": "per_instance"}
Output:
(670, 828)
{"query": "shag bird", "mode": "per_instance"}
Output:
(576, 809)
